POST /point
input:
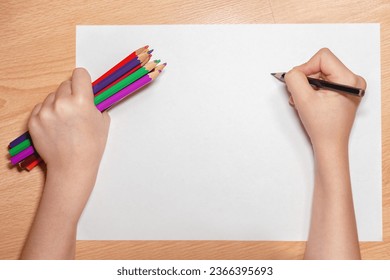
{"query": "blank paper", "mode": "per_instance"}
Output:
(212, 150)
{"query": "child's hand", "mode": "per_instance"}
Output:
(69, 134)
(67, 129)
(326, 115)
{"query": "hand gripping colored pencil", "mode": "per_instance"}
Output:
(133, 60)
(126, 77)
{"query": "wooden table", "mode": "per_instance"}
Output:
(37, 52)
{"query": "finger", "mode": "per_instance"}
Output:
(36, 110)
(361, 82)
(291, 101)
(48, 102)
(64, 90)
(298, 86)
(325, 62)
(32, 120)
(81, 84)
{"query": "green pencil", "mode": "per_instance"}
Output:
(126, 81)
(20, 147)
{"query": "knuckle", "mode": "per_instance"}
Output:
(45, 114)
(325, 51)
(37, 107)
(352, 80)
(32, 123)
(80, 100)
(64, 87)
(361, 82)
(62, 106)
(66, 84)
(49, 98)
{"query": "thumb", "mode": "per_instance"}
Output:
(81, 84)
(298, 86)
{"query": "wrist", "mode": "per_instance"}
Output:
(339, 147)
(67, 191)
(330, 154)
(332, 167)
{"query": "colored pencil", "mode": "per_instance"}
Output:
(160, 67)
(103, 105)
(123, 77)
(129, 75)
(20, 139)
(20, 147)
(126, 81)
(22, 155)
(128, 90)
(120, 72)
(121, 64)
(30, 162)
(120, 79)
(127, 59)
(124, 61)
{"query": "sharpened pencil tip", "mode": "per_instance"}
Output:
(160, 67)
(149, 52)
(165, 64)
(157, 61)
(146, 47)
(279, 76)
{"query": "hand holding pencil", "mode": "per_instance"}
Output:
(327, 115)
(66, 128)
(69, 130)
(126, 77)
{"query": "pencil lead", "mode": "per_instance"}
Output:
(160, 67)
(149, 52)
(146, 47)
(165, 64)
(157, 61)
(279, 76)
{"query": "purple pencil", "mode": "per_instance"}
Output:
(120, 72)
(104, 105)
(101, 107)
(20, 139)
(22, 155)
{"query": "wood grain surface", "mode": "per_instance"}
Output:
(37, 52)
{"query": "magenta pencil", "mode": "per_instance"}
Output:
(104, 105)
(22, 155)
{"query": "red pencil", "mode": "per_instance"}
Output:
(30, 162)
(121, 63)
(124, 76)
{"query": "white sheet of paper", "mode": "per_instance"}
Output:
(212, 150)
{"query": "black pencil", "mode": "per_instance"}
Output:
(326, 85)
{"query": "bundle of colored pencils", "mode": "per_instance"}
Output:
(129, 75)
